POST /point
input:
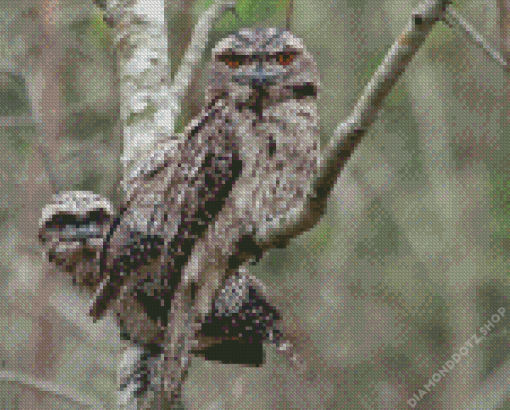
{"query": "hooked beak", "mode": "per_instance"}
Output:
(257, 78)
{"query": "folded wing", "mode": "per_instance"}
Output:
(171, 206)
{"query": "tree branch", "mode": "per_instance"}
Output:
(192, 301)
(140, 134)
(180, 29)
(455, 21)
(349, 134)
(504, 28)
(211, 263)
(193, 55)
(289, 13)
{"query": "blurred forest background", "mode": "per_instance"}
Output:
(410, 260)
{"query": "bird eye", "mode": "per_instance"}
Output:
(233, 60)
(285, 58)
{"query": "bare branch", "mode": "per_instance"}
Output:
(349, 134)
(289, 13)
(455, 21)
(56, 185)
(195, 50)
(210, 265)
(45, 99)
(504, 27)
(180, 29)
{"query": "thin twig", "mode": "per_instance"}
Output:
(455, 21)
(180, 28)
(504, 28)
(55, 183)
(193, 55)
(289, 13)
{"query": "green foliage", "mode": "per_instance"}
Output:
(251, 13)
(99, 33)
(13, 98)
(320, 236)
(84, 124)
(94, 30)
(18, 138)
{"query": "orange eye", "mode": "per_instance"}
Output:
(233, 60)
(285, 58)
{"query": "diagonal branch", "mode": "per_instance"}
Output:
(349, 134)
(193, 55)
(193, 301)
(455, 21)
(211, 263)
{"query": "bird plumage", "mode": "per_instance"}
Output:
(244, 168)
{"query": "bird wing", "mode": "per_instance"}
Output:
(172, 205)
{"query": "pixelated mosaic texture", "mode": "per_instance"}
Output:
(408, 263)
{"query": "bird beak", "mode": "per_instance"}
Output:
(257, 78)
